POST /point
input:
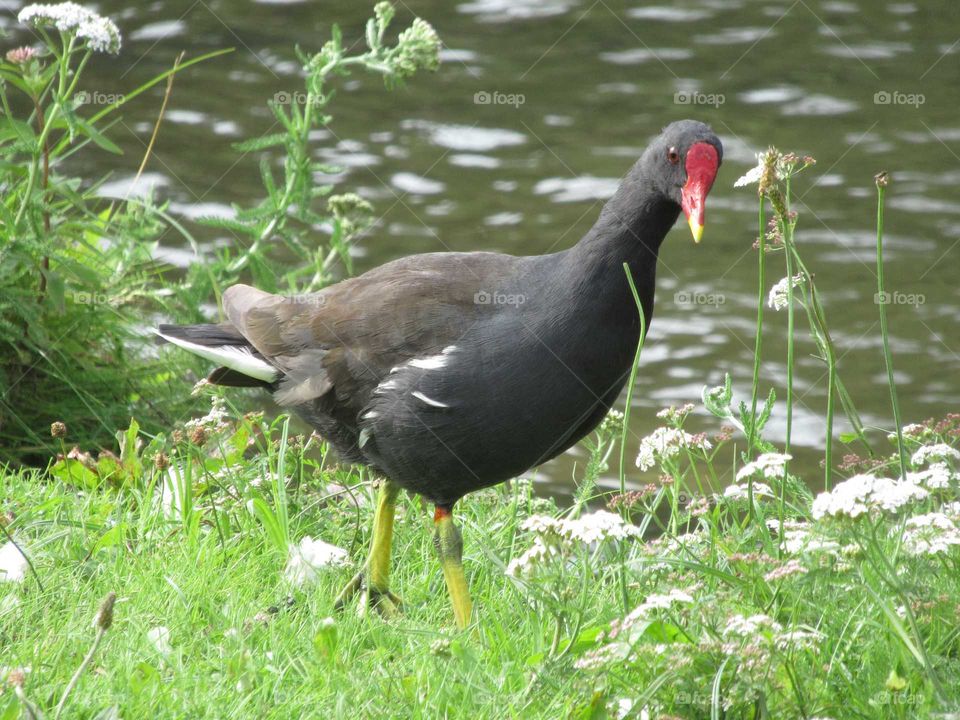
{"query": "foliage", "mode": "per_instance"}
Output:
(78, 279)
(290, 216)
(76, 270)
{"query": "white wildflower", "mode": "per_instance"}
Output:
(914, 430)
(554, 536)
(528, 562)
(930, 534)
(750, 626)
(770, 466)
(603, 656)
(791, 567)
(741, 491)
(798, 538)
(310, 556)
(214, 421)
(797, 638)
(590, 528)
(778, 293)
(752, 176)
(13, 563)
(664, 443)
(100, 33)
(940, 451)
(675, 414)
(598, 526)
(935, 477)
(865, 493)
(159, 637)
(662, 601)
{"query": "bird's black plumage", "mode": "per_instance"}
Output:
(448, 372)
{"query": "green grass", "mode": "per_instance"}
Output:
(233, 656)
(248, 644)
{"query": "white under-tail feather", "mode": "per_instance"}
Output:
(234, 357)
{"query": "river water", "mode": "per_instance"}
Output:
(537, 110)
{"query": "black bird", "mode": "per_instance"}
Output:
(450, 372)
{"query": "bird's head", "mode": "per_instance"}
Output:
(684, 159)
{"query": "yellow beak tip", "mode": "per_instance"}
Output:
(697, 230)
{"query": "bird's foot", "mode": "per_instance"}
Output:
(380, 599)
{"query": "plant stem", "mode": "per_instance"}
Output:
(632, 381)
(786, 227)
(755, 388)
(624, 593)
(881, 181)
(76, 676)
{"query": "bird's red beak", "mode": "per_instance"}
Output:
(702, 163)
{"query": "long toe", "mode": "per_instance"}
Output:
(349, 590)
(387, 604)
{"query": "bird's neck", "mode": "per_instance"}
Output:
(630, 229)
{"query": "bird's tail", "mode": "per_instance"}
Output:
(240, 363)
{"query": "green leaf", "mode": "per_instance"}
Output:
(895, 682)
(717, 400)
(73, 472)
(99, 138)
(260, 143)
(111, 538)
(108, 713)
(132, 466)
(12, 709)
(270, 522)
(325, 641)
(142, 677)
(586, 640)
(110, 469)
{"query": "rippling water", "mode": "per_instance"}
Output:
(574, 91)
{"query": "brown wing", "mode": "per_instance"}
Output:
(347, 337)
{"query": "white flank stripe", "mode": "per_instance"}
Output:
(433, 362)
(386, 385)
(432, 403)
(236, 358)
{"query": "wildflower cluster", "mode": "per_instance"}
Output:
(559, 537)
(665, 443)
(101, 34)
(778, 298)
(867, 494)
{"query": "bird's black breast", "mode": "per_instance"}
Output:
(507, 396)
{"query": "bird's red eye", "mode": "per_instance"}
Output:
(673, 156)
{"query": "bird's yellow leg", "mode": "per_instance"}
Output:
(378, 564)
(450, 549)
(375, 577)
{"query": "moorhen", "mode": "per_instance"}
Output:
(449, 372)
